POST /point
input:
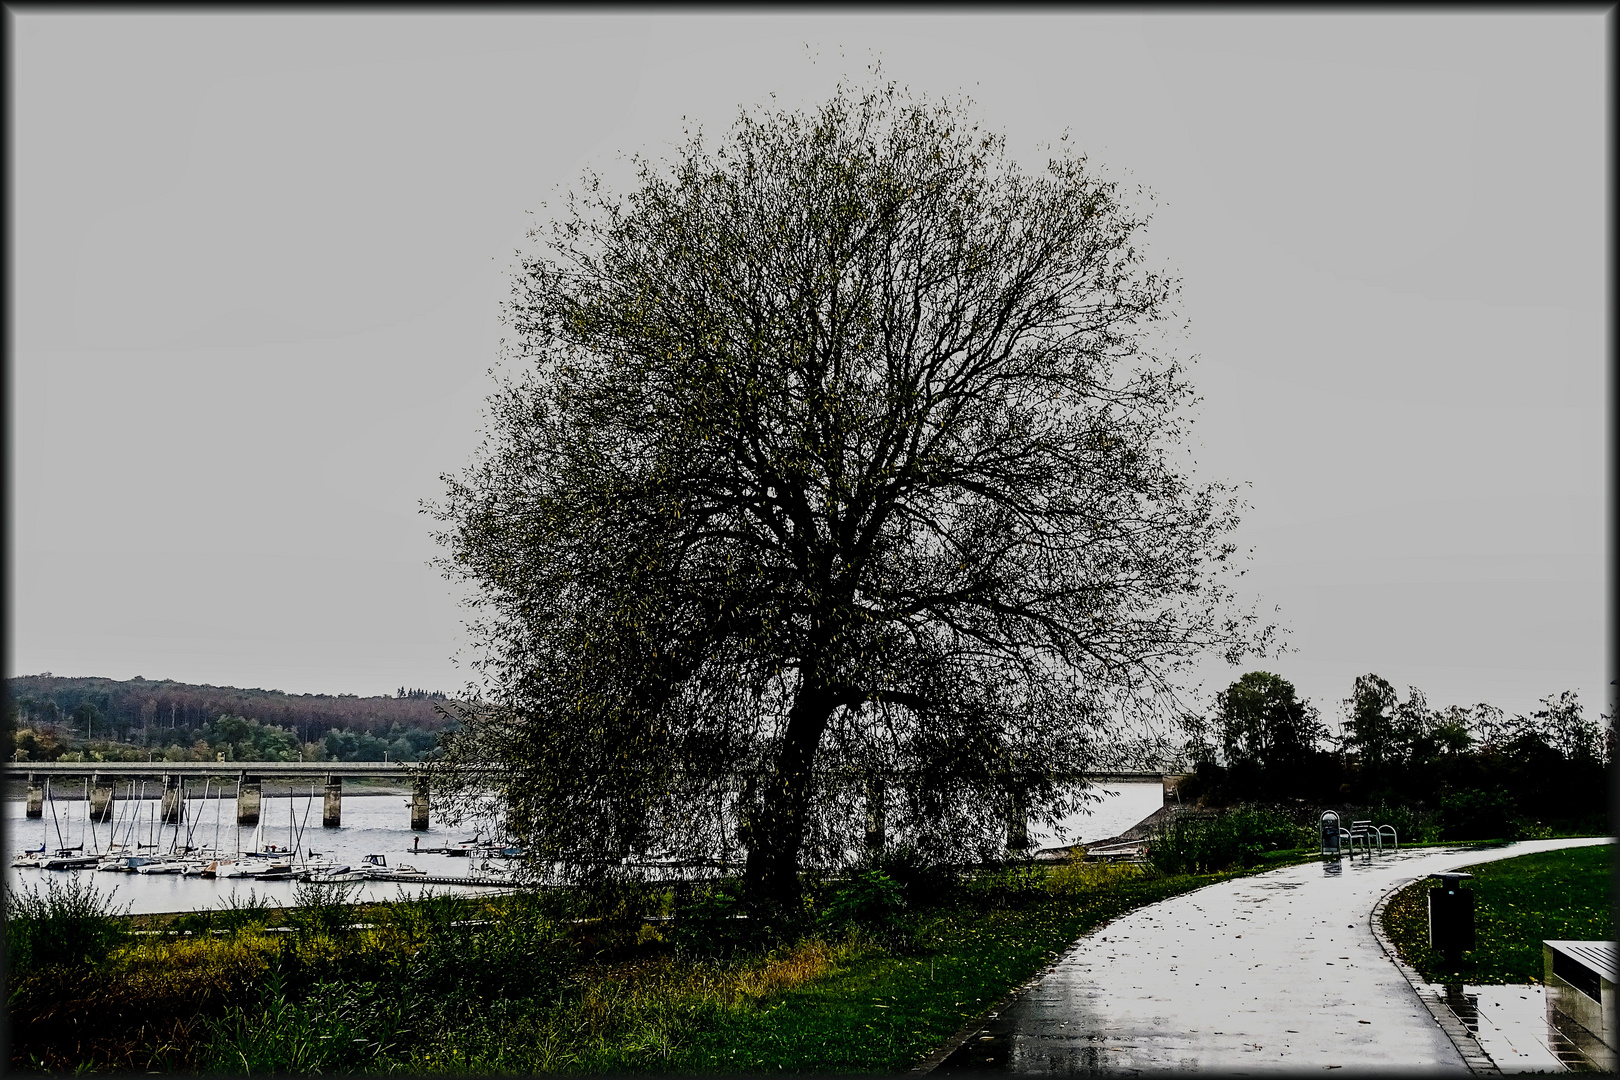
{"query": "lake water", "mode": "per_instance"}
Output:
(372, 825)
(1121, 806)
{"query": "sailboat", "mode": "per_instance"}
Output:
(36, 856)
(172, 861)
(211, 865)
(67, 858)
(278, 860)
(314, 864)
(122, 858)
(197, 858)
(135, 848)
(30, 856)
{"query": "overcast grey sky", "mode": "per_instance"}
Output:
(258, 260)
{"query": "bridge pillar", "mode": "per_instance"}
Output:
(36, 797)
(173, 803)
(332, 809)
(1017, 823)
(248, 792)
(874, 812)
(419, 808)
(1172, 788)
(101, 797)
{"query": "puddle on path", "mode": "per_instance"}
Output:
(1510, 1023)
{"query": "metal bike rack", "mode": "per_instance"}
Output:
(1331, 835)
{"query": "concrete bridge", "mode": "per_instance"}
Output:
(249, 776)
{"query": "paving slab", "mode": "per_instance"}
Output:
(1510, 1024)
(1276, 972)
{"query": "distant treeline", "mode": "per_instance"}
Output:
(1484, 772)
(132, 719)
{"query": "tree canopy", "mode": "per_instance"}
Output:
(1264, 724)
(840, 449)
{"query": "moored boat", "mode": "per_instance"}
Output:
(166, 864)
(376, 866)
(280, 869)
(30, 857)
(318, 866)
(240, 868)
(126, 864)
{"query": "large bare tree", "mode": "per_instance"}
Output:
(841, 448)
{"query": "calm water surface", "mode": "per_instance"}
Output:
(1121, 806)
(372, 825)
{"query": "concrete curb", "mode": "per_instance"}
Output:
(1473, 1054)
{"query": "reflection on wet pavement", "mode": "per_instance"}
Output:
(1280, 971)
(1510, 1023)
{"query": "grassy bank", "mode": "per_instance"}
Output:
(875, 977)
(878, 970)
(1517, 903)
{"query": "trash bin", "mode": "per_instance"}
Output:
(1451, 917)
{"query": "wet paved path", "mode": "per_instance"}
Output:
(1279, 971)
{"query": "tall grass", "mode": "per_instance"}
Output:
(70, 924)
(1080, 876)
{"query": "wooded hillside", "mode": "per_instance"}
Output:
(156, 714)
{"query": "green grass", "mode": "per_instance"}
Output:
(883, 1012)
(1517, 903)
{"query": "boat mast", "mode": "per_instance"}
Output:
(191, 828)
(61, 844)
(300, 841)
(179, 816)
(117, 819)
(135, 825)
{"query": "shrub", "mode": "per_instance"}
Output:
(1411, 826)
(522, 953)
(1011, 884)
(870, 900)
(241, 912)
(71, 924)
(707, 922)
(1238, 837)
(322, 907)
(921, 884)
(337, 1028)
(1472, 814)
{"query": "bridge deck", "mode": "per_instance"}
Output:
(397, 769)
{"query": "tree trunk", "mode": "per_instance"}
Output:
(771, 876)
